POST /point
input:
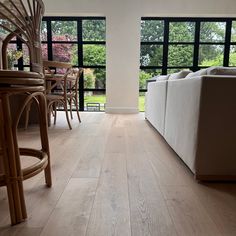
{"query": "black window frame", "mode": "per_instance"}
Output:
(79, 42)
(196, 43)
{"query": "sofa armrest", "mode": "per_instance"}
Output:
(181, 120)
(200, 124)
(216, 144)
(155, 104)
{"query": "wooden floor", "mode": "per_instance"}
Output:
(115, 175)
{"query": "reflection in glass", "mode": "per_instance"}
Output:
(181, 31)
(94, 78)
(152, 30)
(94, 30)
(65, 52)
(94, 55)
(151, 55)
(64, 30)
(180, 55)
(211, 55)
(212, 31)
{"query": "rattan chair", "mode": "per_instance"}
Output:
(22, 19)
(12, 175)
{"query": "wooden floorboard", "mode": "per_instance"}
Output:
(71, 214)
(115, 175)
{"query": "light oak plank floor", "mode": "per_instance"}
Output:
(115, 175)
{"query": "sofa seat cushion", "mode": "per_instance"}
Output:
(220, 70)
(179, 75)
(196, 74)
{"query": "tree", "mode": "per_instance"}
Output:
(143, 77)
(94, 30)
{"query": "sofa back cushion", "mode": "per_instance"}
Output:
(179, 75)
(196, 74)
(220, 70)
(162, 77)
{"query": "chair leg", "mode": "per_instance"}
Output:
(55, 112)
(67, 115)
(71, 115)
(12, 167)
(77, 107)
(44, 136)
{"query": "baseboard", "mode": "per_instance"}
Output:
(122, 110)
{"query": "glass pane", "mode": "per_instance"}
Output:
(44, 51)
(27, 68)
(65, 53)
(180, 55)
(146, 74)
(181, 31)
(152, 31)
(94, 30)
(26, 58)
(141, 101)
(232, 57)
(151, 55)
(212, 32)
(211, 55)
(94, 101)
(94, 78)
(64, 30)
(94, 55)
(233, 32)
(12, 55)
(44, 31)
(3, 32)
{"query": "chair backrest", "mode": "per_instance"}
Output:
(22, 18)
(77, 73)
(57, 64)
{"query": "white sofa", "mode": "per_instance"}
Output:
(197, 117)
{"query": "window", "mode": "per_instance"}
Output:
(80, 41)
(171, 44)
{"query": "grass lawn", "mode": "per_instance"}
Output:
(102, 99)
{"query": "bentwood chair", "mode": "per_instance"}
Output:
(56, 84)
(11, 174)
(62, 88)
(73, 89)
(23, 20)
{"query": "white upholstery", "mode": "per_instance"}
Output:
(179, 75)
(220, 70)
(181, 121)
(197, 73)
(156, 104)
(197, 117)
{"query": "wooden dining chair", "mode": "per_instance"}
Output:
(72, 92)
(62, 88)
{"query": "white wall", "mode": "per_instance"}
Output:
(123, 36)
